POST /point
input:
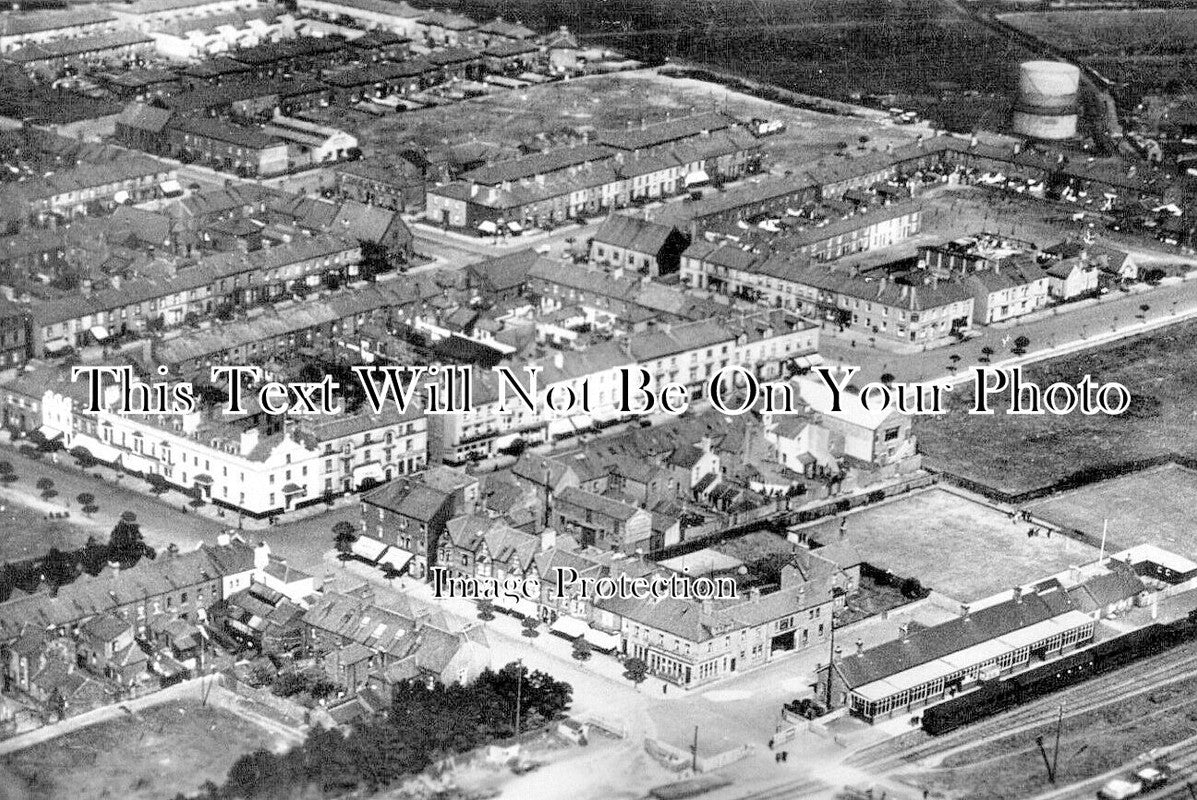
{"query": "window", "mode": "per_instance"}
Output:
(891, 434)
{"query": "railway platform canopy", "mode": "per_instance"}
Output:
(955, 671)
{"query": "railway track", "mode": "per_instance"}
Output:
(1161, 670)
(791, 789)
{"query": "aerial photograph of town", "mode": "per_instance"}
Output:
(598, 399)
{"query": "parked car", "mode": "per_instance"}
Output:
(1120, 789)
(1152, 778)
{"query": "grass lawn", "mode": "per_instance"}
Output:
(959, 548)
(28, 534)
(1153, 506)
(163, 751)
(1016, 454)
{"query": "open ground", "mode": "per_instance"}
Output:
(151, 755)
(1016, 454)
(1153, 506)
(555, 112)
(955, 546)
(1090, 745)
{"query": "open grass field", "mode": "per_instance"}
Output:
(1088, 33)
(1150, 50)
(955, 546)
(153, 756)
(556, 113)
(833, 48)
(29, 534)
(1153, 506)
(1016, 454)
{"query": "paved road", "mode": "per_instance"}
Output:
(1116, 312)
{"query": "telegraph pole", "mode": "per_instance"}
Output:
(1056, 750)
(694, 751)
(831, 651)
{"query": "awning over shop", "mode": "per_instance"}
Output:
(99, 332)
(696, 177)
(368, 549)
(135, 463)
(98, 450)
(607, 642)
(292, 488)
(486, 226)
(397, 557)
(48, 433)
(364, 471)
(515, 227)
(121, 197)
(204, 479)
(171, 188)
(569, 627)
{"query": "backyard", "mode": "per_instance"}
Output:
(941, 538)
(1018, 454)
(151, 755)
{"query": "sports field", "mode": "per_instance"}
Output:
(1153, 506)
(955, 546)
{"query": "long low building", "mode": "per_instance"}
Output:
(931, 664)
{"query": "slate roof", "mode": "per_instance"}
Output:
(937, 641)
(144, 117)
(633, 233)
(598, 504)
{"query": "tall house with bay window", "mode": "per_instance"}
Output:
(410, 514)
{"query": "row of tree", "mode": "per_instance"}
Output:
(426, 724)
(57, 568)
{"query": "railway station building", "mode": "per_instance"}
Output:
(935, 663)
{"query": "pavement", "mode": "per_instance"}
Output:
(1116, 315)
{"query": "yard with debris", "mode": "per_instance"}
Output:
(557, 113)
(153, 754)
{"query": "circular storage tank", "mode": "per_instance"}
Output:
(1046, 107)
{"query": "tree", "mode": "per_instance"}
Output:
(86, 498)
(1020, 345)
(1143, 309)
(887, 378)
(125, 545)
(344, 535)
(59, 568)
(530, 624)
(93, 557)
(582, 649)
(986, 354)
(486, 609)
(635, 670)
(45, 485)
